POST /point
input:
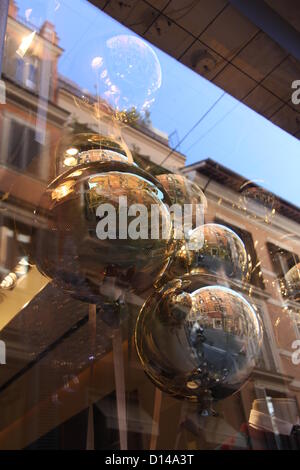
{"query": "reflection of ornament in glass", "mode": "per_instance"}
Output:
(198, 342)
(68, 249)
(76, 149)
(122, 70)
(257, 202)
(292, 283)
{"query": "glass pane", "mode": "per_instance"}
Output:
(149, 226)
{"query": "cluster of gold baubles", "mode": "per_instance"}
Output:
(196, 338)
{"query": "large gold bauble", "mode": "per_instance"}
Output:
(292, 283)
(196, 341)
(223, 252)
(68, 248)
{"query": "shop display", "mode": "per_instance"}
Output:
(149, 228)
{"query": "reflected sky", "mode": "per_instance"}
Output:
(231, 134)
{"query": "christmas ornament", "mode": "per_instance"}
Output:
(291, 288)
(212, 249)
(223, 252)
(190, 200)
(76, 149)
(87, 244)
(181, 190)
(198, 342)
(123, 71)
(188, 207)
(256, 202)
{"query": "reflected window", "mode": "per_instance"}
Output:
(31, 74)
(266, 361)
(22, 146)
(282, 260)
(217, 324)
(26, 72)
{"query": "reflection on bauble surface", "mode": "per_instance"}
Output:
(197, 341)
(68, 248)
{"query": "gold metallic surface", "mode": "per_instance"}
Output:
(222, 252)
(212, 249)
(81, 148)
(198, 341)
(68, 249)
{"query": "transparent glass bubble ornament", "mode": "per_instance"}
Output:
(123, 71)
(198, 342)
(256, 202)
